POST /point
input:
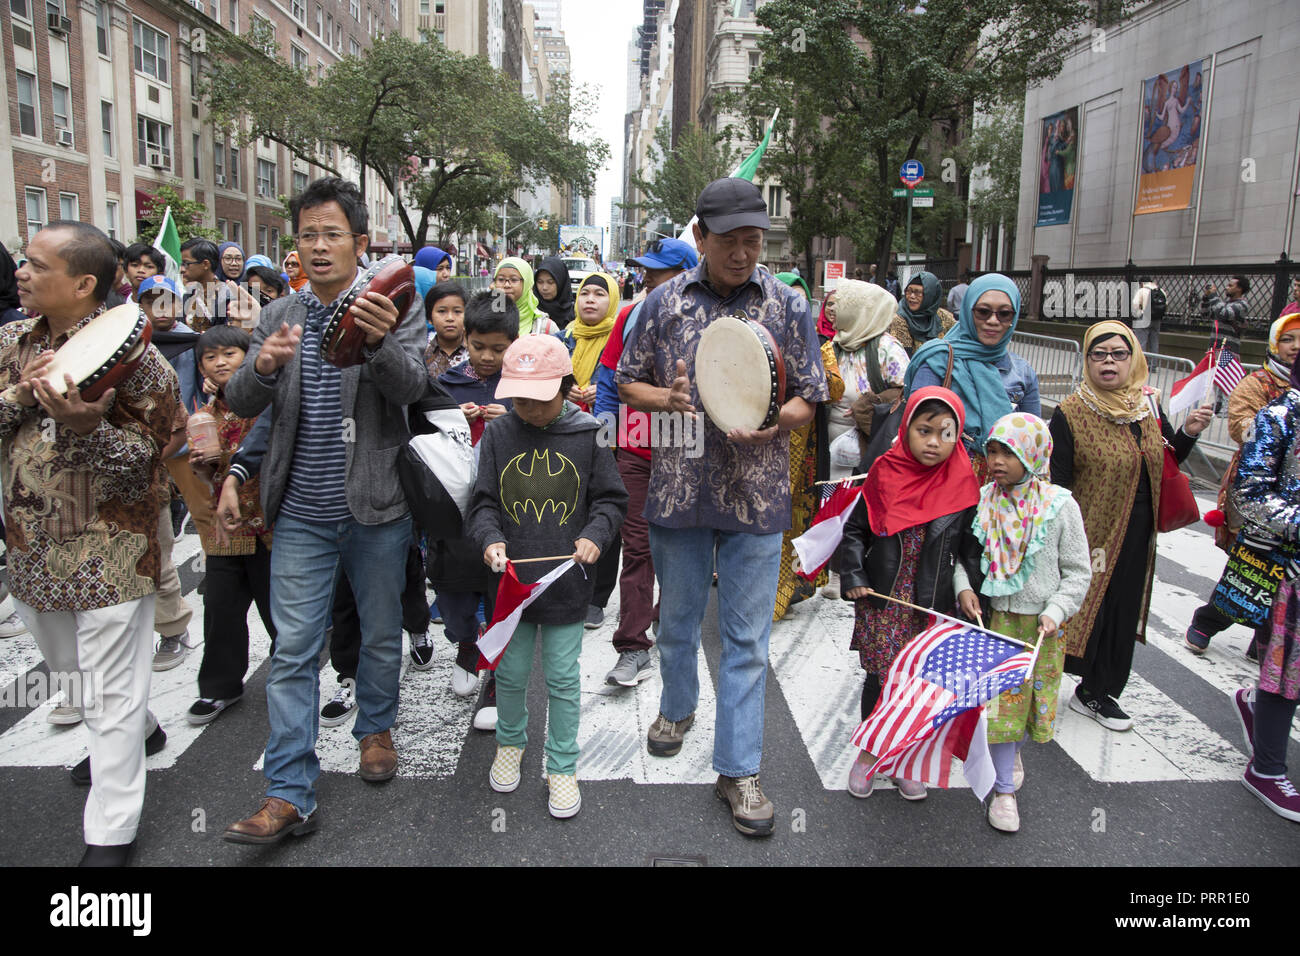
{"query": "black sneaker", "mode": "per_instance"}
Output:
(421, 651)
(1103, 710)
(155, 742)
(341, 706)
(206, 709)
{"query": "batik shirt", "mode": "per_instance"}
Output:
(729, 487)
(81, 511)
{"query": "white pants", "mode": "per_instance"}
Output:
(111, 648)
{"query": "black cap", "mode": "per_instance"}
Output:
(727, 204)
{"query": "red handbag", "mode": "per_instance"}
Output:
(1178, 506)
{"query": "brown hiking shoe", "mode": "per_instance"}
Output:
(751, 812)
(665, 737)
(378, 757)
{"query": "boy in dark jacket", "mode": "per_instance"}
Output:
(454, 568)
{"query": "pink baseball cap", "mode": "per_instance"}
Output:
(533, 367)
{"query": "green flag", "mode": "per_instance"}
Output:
(749, 166)
(169, 244)
(746, 170)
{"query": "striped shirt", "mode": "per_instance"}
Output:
(316, 490)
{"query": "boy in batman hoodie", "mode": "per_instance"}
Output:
(545, 488)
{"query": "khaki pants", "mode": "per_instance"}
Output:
(171, 613)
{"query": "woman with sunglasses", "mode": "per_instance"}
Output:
(1109, 438)
(987, 376)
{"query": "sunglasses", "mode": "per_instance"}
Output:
(984, 313)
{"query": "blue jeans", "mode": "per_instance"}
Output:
(304, 563)
(747, 565)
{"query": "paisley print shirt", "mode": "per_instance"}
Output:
(717, 483)
(81, 511)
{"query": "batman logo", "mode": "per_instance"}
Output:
(539, 487)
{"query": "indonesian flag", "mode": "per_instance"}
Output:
(513, 597)
(1191, 391)
(816, 545)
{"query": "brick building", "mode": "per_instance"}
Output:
(103, 109)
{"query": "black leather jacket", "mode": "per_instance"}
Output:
(867, 560)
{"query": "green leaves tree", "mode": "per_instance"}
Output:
(884, 83)
(446, 132)
(188, 214)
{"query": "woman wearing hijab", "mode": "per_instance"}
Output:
(919, 316)
(871, 361)
(595, 312)
(990, 378)
(293, 269)
(809, 463)
(1252, 393)
(232, 261)
(431, 266)
(1109, 439)
(554, 295)
(514, 277)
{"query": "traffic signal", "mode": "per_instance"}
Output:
(541, 224)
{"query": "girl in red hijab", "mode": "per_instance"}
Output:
(901, 540)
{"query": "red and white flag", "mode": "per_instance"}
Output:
(816, 545)
(1191, 391)
(513, 597)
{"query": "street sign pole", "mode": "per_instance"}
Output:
(908, 252)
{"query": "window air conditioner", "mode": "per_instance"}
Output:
(154, 157)
(65, 137)
(57, 23)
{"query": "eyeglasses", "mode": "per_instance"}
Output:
(333, 237)
(984, 313)
(231, 257)
(1117, 355)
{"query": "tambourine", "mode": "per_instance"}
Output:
(740, 374)
(103, 352)
(342, 340)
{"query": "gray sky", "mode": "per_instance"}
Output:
(597, 32)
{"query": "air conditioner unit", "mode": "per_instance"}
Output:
(154, 158)
(57, 23)
(221, 179)
(65, 137)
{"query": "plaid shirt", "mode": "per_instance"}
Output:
(81, 511)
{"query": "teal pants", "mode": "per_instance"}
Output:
(561, 645)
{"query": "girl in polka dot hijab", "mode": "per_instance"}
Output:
(1036, 572)
(1017, 505)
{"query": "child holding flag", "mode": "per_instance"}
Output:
(901, 541)
(546, 490)
(1035, 573)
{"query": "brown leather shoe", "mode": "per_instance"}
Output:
(276, 820)
(378, 757)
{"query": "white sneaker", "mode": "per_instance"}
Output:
(12, 626)
(832, 589)
(463, 682)
(1018, 773)
(1003, 813)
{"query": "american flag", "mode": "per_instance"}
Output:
(932, 708)
(1228, 371)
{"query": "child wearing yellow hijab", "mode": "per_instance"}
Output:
(596, 308)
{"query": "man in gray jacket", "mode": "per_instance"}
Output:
(330, 486)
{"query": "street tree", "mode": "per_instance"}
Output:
(446, 131)
(889, 83)
(188, 214)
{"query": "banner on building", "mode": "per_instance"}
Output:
(1058, 158)
(1171, 140)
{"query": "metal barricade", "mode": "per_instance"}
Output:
(1058, 362)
